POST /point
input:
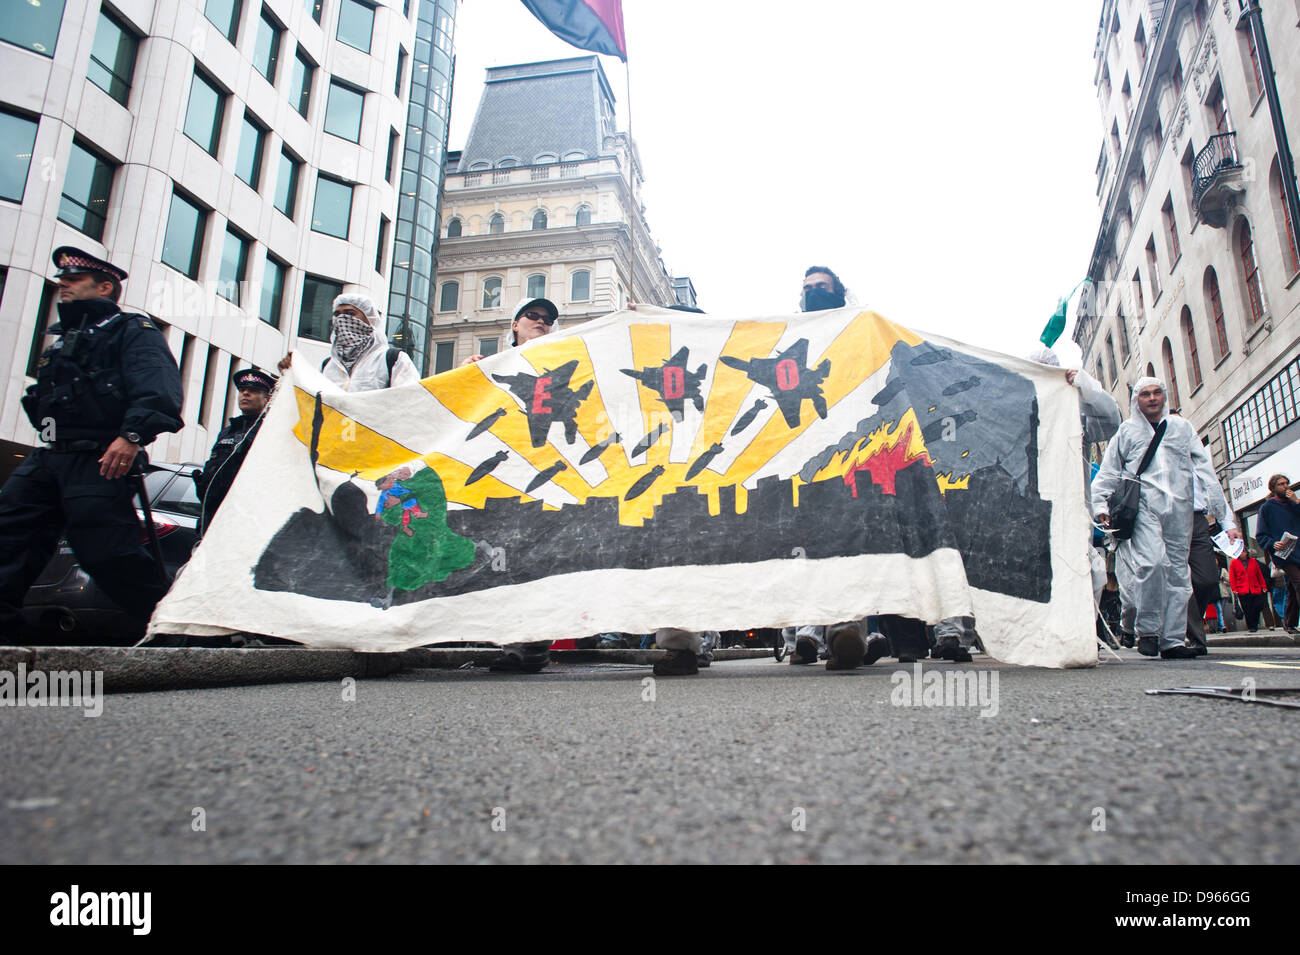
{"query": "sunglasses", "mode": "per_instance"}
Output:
(544, 317)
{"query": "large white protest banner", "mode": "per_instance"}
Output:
(662, 469)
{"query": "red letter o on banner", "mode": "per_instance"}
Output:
(674, 382)
(787, 374)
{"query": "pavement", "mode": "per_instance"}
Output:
(750, 761)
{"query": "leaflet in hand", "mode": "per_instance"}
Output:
(1230, 547)
(1288, 545)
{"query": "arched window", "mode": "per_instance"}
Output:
(1110, 358)
(1101, 373)
(1250, 271)
(583, 216)
(479, 164)
(544, 158)
(1171, 376)
(1282, 215)
(497, 224)
(492, 292)
(1214, 305)
(580, 286)
(1151, 370)
(536, 286)
(507, 163)
(574, 156)
(453, 229)
(449, 297)
(539, 220)
(1193, 355)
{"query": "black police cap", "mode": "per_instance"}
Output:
(252, 378)
(70, 261)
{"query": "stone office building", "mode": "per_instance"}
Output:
(537, 204)
(1195, 270)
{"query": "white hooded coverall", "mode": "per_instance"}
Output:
(1152, 565)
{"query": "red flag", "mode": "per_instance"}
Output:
(595, 25)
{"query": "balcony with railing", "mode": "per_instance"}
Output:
(1216, 173)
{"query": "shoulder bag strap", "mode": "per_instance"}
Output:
(1151, 448)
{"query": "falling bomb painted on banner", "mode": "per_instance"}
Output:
(658, 468)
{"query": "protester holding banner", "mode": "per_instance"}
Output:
(1152, 564)
(360, 357)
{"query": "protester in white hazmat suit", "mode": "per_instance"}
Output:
(1152, 565)
(360, 357)
(1099, 414)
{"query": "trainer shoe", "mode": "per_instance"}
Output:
(950, 648)
(805, 651)
(1178, 653)
(877, 647)
(847, 646)
(1148, 646)
(677, 663)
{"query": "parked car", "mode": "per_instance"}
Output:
(65, 606)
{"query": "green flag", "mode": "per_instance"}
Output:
(1055, 325)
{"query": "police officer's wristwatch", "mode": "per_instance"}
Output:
(133, 437)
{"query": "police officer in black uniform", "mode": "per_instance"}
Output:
(106, 387)
(213, 482)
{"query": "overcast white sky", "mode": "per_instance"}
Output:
(939, 156)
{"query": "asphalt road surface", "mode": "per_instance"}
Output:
(751, 761)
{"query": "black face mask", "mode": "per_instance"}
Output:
(818, 299)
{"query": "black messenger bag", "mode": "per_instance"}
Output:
(1123, 501)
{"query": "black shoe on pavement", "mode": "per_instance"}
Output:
(848, 649)
(526, 660)
(907, 658)
(1178, 653)
(1199, 649)
(805, 651)
(1126, 640)
(677, 663)
(877, 647)
(950, 648)
(1148, 646)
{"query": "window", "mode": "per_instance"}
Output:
(453, 229)
(86, 188)
(536, 286)
(343, 112)
(580, 286)
(497, 224)
(314, 8)
(286, 183)
(19, 136)
(1193, 355)
(1219, 110)
(183, 240)
(356, 21)
(1171, 229)
(333, 209)
(1214, 300)
(112, 58)
(391, 169)
(1101, 374)
(1250, 271)
(1138, 300)
(1153, 268)
(266, 51)
(492, 293)
(488, 346)
(539, 220)
(1255, 74)
(401, 72)
(1178, 75)
(379, 246)
(1282, 215)
(234, 267)
(1171, 375)
(449, 297)
(224, 15)
(304, 71)
(1122, 322)
(32, 26)
(317, 303)
(1200, 16)
(583, 216)
(268, 309)
(248, 164)
(444, 353)
(1110, 358)
(203, 115)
